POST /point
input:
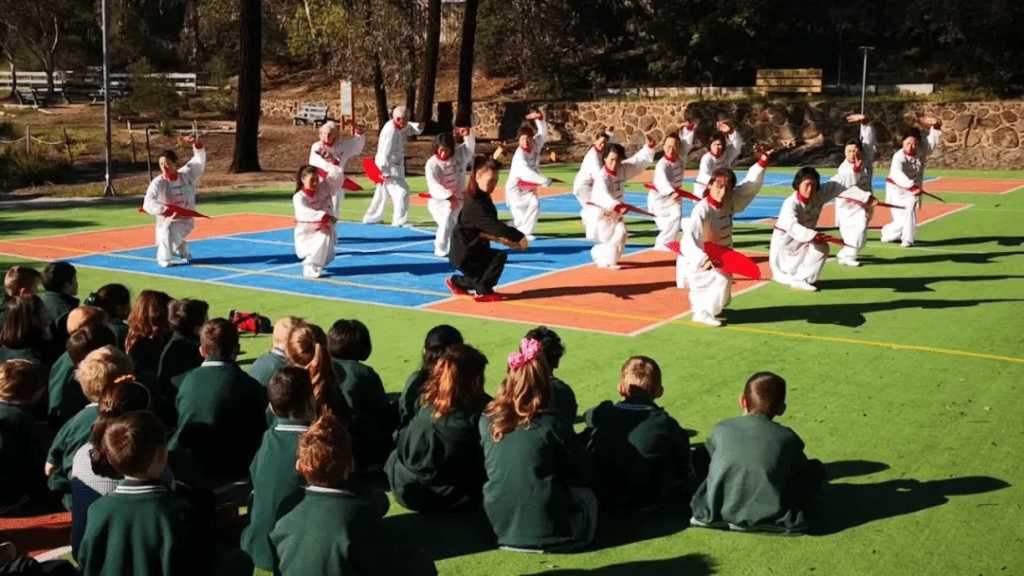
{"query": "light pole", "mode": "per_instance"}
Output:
(864, 77)
(109, 189)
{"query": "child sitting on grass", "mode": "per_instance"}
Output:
(60, 280)
(438, 464)
(99, 371)
(759, 478)
(553, 349)
(641, 455)
(148, 330)
(27, 331)
(22, 385)
(264, 367)
(535, 466)
(116, 300)
(19, 280)
(65, 394)
(185, 317)
(332, 531)
(434, 345)
(273, 473)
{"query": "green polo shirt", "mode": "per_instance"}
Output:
(59, 304)
(179, 356)
(65, 393)
(373, 418)
(71, 436)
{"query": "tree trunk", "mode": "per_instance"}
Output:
(464, 116)
(410, 85)
(13, 96)
(380, 92)
(430, 57)
(247, 127)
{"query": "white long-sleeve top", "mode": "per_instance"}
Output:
(712, 222)
(525, 165)
(591, 164)
(857, 175)
(906, 173)
(311, 209)
(709, 162)
(608, 192)
(181, 191)
(669, 173)
(445, 177)
(329, 157)
(390, 156)
(798, 218)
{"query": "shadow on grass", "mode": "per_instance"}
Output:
(970, 240)
(442, 536)
(850, 315)
(913, 284)
(9, 225)
(695, 564)
(965, 258)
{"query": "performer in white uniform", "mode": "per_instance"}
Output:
(446, 182)
(664, 201)
(391, 161)
(723, 151)
(798, 251)
(856, 171)
(906, 176)
(584, 181)
(329, 155)
(174, 187)
(315, 220)
(606, 199)
(524, 176)
(711, 221)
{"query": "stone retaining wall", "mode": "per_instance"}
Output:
(977, 135)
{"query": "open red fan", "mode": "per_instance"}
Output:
(179, 211)
(350, 184)
(680, 191)
(372, 172)
(731, 260)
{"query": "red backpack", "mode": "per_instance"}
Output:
(251, 322)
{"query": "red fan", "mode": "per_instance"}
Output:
(181, 212)
(732, 261)
(680, 191)
(626, 208)
(372, 172)
(350, 184)
(424, 195)
(865, 204)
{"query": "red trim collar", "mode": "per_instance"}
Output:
(172, 178)
(607, 171)
(670, 159)
(802, 200)
(911, 154)
(713, 155)
(526, 150)
(856, 167)
(713, 203)
(309, 192)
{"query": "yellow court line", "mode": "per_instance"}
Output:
(766, 332)
(30, 245)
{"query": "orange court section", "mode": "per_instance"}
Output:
(103, 241)
(33, 535)
(640, 296)
(973, 185)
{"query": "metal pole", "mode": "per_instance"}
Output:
(109, 189)
(864, 77)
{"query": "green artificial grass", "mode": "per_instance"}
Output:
(923, 444)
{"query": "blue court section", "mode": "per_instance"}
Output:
(374, 264)
(762, 207)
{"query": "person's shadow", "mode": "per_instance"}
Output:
(842, 506)
(695, 564)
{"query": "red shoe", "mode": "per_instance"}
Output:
(455, 289)
(492, 297)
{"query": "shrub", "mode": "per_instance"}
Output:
(153, 95)
(19, 169)
(8, 131)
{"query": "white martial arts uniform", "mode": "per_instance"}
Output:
(315, 235)
(795, 259)
(446, 184)
(523, 178)
(709, 162)
(610, 230)
(668, 177)
(390, 159)
(171, 232)
(906, 175)
(329, 160)
(851, 217)
(711, 290)
(584, 182)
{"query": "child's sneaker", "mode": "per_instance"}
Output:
(492, 297)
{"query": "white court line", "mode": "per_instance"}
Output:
(250, 272)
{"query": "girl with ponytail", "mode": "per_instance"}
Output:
(307, 348)
(535, 466)
(434, 346)
(438, 462)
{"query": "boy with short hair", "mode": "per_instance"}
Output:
(350, 537)
(186, 317)
(641, 455)
(65, 394)
(22, 384)
(264, 367)
(19, 280)
(220, 408)
(273, 473)
(60, 280)
(759, 478)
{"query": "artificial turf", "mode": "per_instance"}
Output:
(904, 377)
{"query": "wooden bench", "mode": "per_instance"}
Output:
(311, 114)
(40, 97)
(800, 80)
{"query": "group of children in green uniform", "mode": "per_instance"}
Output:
(159, 431)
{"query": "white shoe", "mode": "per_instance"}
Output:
(440, 254)
(530, 237)
(312, 273)
(164, 264)
(366, 221)
(707, 320)
(885, 238)
(906, 243)
(804, 286)
(609, 266)
(845, 262)
(403, 225)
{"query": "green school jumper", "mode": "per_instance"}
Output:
(59, 304)
(565, 400)
(65, 393)
(265, 366)
(274, 479)
(409, 399)
(752, 459)
(220, 418)
(141, 528)
(439, 464)
(373, 418)
(20, 462)
(71, 436)
(529, 474)
(349, 538)
(641, 455)
(179, 356)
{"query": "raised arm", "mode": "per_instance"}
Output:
(464, 152)
(745, 191)
(685, 141)
(197, 165)
(867, 142)
(932, 140)
(542, 132)
(637, 163)
(707, 161)
(732, 151)
(351, 147)
(317, 160)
